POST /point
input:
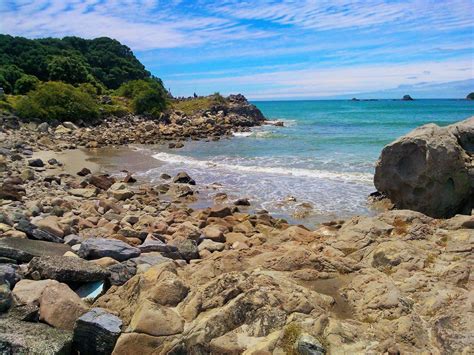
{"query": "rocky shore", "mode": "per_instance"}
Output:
(94, 264)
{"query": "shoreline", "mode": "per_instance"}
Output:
(178, 279)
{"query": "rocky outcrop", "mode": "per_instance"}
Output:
(430, 170)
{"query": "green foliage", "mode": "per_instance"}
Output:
(9, 74)
(25, 84)
(67, 69)
(58, 101)
(106, 61)
(191, 106)
(148, 96)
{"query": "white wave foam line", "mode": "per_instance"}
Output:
(297, 172)
(242, 134)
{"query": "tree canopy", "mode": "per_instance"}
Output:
(73, 60)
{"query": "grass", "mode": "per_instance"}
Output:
(198, 104)
(401, 227)
(291, 333)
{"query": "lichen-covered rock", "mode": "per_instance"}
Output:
(430, 170)
(18, 337)
(65, 269)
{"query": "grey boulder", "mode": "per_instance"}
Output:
(95, 248)
(430, 170)
(96, 332)
(65, 269)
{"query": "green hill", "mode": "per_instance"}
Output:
(100, 61)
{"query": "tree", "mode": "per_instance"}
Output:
(25, 84)
(68, 69)
(58, 101)
(10, 74)
(148, 96)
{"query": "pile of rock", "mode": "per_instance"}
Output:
(95, 264)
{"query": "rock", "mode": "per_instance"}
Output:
(187, 248)
(43, 127)
(154, 244)
(73, 239)
(65, 269)
(103, 182)
(210, 245)
(36, 163)
(215, 233)
(34, 233)
(156, 320)
(426, 170)
(407, 98)
(9, 273)
(84, 172)
(95, 248)
(60, 306)
(308, 345)
(165, 176)
(242, 202)
(18, 337)
(27, 174)
(129, 179)
(5, 298)
(70, 125)
(23, 250)
(29, 291)
(96, 332)
(84, 192)
(220, 211)
(51, 224)
(183, 178)
(6, 193)
(122, 194)
(61, 130)
(122, 272)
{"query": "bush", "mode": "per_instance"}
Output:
(68, 69)
(9, 74)
(148, 96)
(58, 101)
(25, 84)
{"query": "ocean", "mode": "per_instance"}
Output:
(319, 166)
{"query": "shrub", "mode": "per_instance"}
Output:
(58, 101)
(9, 74)
(25, 84)
(148, 96)
(68, 69)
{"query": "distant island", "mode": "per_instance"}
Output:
(407, 98)
(470, 96)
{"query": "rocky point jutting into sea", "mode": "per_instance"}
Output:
(100, 264)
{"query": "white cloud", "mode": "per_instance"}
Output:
(319, 82)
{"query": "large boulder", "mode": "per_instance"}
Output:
(60, 306)
(96, 332)
(95, 248)
(23, 250)
(65, 269)
(430, 170)
(17, 337)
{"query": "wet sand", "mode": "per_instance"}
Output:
(109, 160)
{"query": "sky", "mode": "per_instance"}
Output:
(265, 49)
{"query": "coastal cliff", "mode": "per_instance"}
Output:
(101, 264)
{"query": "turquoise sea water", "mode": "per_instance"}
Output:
(324, 156)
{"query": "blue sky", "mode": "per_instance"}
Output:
(269, 49)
